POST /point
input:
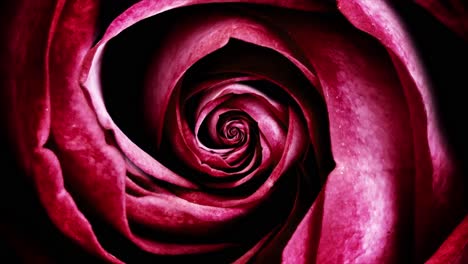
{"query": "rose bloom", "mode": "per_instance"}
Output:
(234, 131)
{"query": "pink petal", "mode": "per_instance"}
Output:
(364, 213)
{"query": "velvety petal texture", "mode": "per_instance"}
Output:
(235, 131)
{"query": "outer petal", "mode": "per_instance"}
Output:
(361, 210)
(438, 186)
(31, 116)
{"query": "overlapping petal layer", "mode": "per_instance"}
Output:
(245, 109)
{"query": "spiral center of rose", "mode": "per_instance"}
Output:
(220, 125)
(229, 129)
(233, 128)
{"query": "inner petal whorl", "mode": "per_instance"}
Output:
(233, 130)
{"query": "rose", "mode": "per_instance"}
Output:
(382, 133)
(296, 240)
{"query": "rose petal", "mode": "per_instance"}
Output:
(455, 249)
(60, 205)
(438, 189)
(363, 212)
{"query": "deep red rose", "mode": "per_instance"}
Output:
(232, 132)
